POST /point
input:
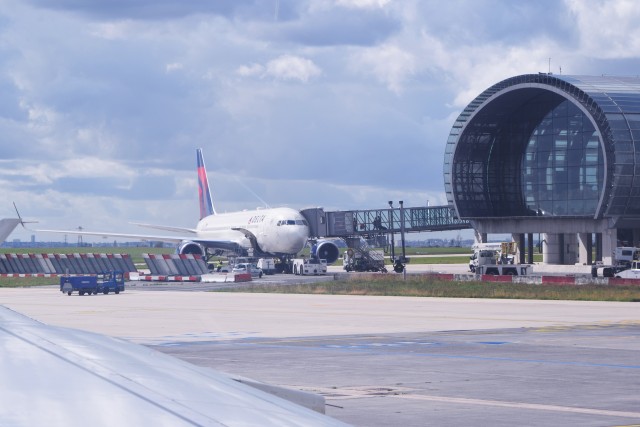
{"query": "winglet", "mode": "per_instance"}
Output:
(20, 220)
(204, 195)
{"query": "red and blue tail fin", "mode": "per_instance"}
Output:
(204, 195)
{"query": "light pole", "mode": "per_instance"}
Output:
(393, 244)
(402, 230)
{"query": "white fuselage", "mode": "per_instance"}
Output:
(277, 231)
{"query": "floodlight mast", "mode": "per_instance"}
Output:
(393, 244)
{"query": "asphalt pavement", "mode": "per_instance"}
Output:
(382, 361)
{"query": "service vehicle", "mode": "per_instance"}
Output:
(631, 273)
(364, 260)
(245, 267)
(505, 269)
(492, 254)
(109, 281)
(624, 256)
(267, 265)
(623, 259)
(309, 266)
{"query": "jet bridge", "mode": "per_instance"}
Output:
(374, 223)
(375, 226)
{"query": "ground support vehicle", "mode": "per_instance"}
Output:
(505, 269)
(110, 281)
(247, 268)
(267, 265)
(625, 256)
(492, 254)
(82, 284)
(624, 259)
(309, 266)
(363, 260)
(631, 273)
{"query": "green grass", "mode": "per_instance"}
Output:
(25, 282)
(134, 252)
(18, 282)
(390, 284)
(424, 286)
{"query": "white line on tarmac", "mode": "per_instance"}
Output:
(518, 405)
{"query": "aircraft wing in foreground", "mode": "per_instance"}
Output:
(54, 376)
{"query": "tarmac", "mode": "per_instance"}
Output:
(382, 361)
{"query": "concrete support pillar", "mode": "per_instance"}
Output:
(570, 249)
(636, 237)
(598, 247)
(560, 249)
(530, 248)
(479, 237)
(609, 243)
(519, 238)
(585, 249)
(551, 250)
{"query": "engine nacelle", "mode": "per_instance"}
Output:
(327, 250)
(188, 247)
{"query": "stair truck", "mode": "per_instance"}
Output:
(363, 260)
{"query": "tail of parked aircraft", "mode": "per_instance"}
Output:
(204, 195)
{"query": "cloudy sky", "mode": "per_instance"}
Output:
(343, 104)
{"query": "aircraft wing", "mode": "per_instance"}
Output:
(166, 228)
(221, 244)
(64, 377)
(144, 237)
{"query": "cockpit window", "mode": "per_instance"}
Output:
(292, 222)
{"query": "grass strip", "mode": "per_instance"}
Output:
(428, 287)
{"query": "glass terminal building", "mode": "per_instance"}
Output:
(554, 155)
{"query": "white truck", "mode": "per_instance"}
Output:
(309, 266)
(624, 257)
(267, 265)
(505, 269)
(631, 273)
(492, 254)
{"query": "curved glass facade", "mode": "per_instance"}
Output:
(563, 165)
(532, 145)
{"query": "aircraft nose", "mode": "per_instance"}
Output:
(295, 239)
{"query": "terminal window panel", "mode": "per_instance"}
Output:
(563, 164)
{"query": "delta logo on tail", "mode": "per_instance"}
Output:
(204, 195)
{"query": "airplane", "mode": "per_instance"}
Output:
(57, 376)
(274, 232)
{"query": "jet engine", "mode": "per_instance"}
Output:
(188, 247)
(328, 250)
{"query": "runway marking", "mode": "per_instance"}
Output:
(520, 405)
(343, 393)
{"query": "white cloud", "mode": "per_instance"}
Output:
(389, 63)
(607, 29)
(363, 4)
(290, 67)
(118, 30)
(174, 66)
(250, 70)
(128, 95)
(284, 67)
